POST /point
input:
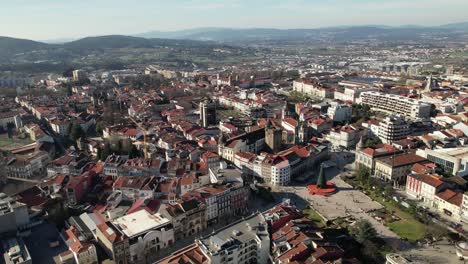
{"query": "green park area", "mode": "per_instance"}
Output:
(408, 226)
(406, 222)
(311, 214)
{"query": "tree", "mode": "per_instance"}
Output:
(363, 175)
(76, 132)
(68, 72)
(436, 231)
(106, 151)
(99, 128)
(372, 142)
(322, 180)
(388, 191)
(363, 231)
(99, 154)
(370, 252)
(10, 127)
(134, 152)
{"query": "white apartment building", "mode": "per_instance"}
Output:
(340, 112)
(352, 93)
(395, 104)
(13, 214)
(393, 128)
(343, 137)
(147, 234)
(79, 75)
(242, 242)
(281, 173)
(312, 89)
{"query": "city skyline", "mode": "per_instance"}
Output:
(53, 19)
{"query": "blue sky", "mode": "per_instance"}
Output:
(52, 19)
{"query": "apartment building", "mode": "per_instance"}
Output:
(339, 112)
(343, 137)
(188, 218)
(395, 104)
(351, 91)
(253, 141)
(13, 214)
(136, 237)
(246, 241)
(393, 128)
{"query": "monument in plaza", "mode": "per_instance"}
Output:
(322, 186)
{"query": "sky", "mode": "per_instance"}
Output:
(58, 19)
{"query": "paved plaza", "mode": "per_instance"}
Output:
(347, 202)
(433, 254)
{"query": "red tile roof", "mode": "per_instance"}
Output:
(450, 196)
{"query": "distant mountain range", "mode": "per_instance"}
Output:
(110, 49)
(333, 33)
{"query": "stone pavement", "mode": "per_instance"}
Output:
(433, 254)
(347, 202)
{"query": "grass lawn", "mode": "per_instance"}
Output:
(408, 227)
(315, 217)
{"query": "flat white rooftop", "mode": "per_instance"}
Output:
(139, 222)
(461, 152)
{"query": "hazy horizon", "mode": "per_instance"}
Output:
(55, 19)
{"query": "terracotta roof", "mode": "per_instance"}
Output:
(380, 150)
(110, 232)
(291, 121)
(432, 180)
(451, 197)
(189, 255)
(75, 245)
(290, 254)
(402, 160)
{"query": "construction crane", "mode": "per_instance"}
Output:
(145, 133)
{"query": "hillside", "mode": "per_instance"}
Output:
(20, 54)
(11, 46)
